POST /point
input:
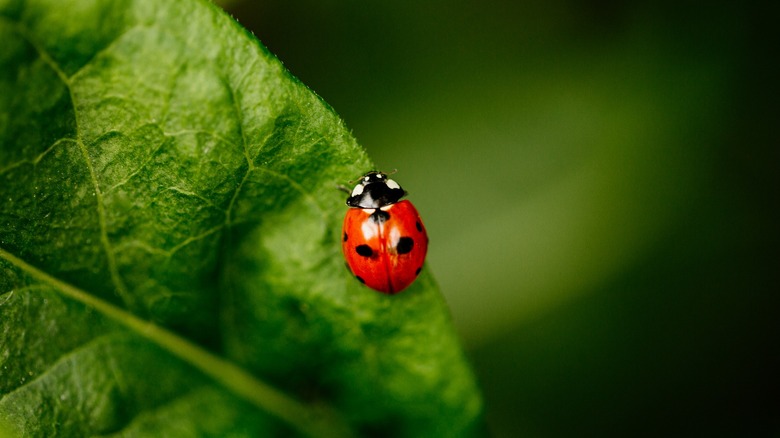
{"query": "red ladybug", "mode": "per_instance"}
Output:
(384, 240)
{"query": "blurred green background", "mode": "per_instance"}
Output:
(599, 183)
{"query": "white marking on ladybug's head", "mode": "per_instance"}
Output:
(392, 184)
(358, 190)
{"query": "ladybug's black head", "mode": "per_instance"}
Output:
(375, 190)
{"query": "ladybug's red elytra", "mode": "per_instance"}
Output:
(384, 240)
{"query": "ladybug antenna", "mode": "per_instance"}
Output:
(392, 173)
(354, 181)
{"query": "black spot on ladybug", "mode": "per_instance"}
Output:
(379, 216)
(364, 250)
(418, 225)
(360, 279)
(345, 237)
(417, 272)
(405, 245)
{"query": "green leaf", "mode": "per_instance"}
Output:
(170, 243)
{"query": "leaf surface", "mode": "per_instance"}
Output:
(170, 243)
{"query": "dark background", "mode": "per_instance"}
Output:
(599, 183)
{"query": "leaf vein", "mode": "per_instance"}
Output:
(108, 47)
(37, 159)
(250, 165)
(121, 289)
(309, 420)
(66, 357)
(297, 187)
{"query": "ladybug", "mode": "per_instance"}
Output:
(384, 240)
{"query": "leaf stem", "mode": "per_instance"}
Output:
(309, 420)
